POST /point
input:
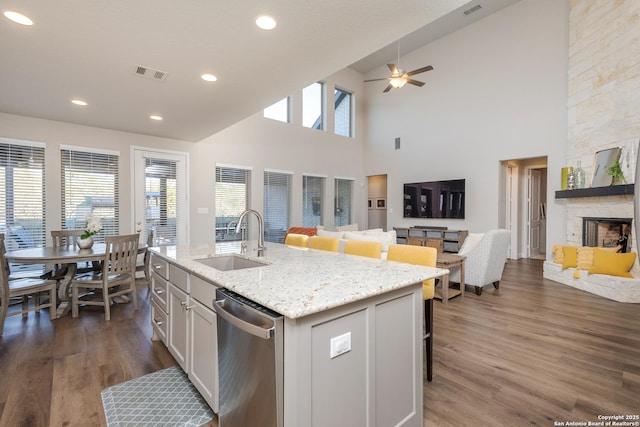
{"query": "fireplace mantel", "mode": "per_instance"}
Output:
(613, 190)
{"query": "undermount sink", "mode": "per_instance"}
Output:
(230, 262)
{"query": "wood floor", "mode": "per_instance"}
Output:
(533, 352)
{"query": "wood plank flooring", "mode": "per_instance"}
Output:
(533, 352)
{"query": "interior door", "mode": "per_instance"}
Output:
(160, 196)
(535, 217)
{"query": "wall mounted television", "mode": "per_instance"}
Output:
(434, 199)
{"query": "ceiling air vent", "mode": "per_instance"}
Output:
(473, 9)
(150, 73)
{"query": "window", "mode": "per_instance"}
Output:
(343, 194)
(22, 190)
(90, 186)
(232, 198)
(280, 111)
(313, 106)
(312, 196)
(161, 200)
(342, 118)
(277, 205)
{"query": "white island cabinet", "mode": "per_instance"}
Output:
(353, 348)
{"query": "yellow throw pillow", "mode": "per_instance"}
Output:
(611, 263)
(570, 254)
(585, 257)
(558, 256)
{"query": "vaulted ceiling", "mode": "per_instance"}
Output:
(93, 51)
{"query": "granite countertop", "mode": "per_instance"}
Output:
(297, 282)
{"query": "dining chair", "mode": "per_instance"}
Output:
(427, 256)
(118, 271)
(324, 243)
(144, 265)
(67, 239)
(363, 248)
(294, 239)
(23, 289)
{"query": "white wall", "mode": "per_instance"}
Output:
(498, 91)
(55, 134)
(262, 144)
(256, 142)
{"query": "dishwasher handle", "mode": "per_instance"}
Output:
(256, 330)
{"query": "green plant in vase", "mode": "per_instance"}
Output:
(616, 173)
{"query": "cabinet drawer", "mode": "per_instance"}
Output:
(203, 291)
(451, 246)
(159, 321)
(159, 265)
(434, 243)
(179, 277)
(416, 233)
(159, 289)
(416, 241)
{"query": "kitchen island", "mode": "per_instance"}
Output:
(322, 295)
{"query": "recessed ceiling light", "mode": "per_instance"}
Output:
(266, 22)
(79, 102)
(156, 118)
(209, 77)
(17, 17)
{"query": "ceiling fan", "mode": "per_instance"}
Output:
(399, 77)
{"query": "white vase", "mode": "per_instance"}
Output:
(85, 243)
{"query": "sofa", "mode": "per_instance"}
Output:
(580, 274)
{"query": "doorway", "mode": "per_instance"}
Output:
(160, 196)
(377, 201)
(525, 206)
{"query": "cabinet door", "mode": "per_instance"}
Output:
(178, 332)
(203, 352)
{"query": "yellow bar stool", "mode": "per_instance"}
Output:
(293, 239)
(421, 255)
(324, 243)
(363, 248)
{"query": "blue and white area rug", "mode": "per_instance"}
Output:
(162, 398)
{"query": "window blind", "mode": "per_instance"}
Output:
(277, 205)
(161, 200)
(312, 197)
(232, 197)
(22, 195)
(343, 196)
(90, 185)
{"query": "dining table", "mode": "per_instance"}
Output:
(68, 257)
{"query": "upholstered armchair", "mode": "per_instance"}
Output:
(486, 254)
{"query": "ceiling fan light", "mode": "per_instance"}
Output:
(398, 82)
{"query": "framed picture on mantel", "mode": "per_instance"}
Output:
(603, 160)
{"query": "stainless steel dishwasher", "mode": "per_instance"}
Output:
(250, 362)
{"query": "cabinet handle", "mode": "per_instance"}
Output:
(189, 307)
(158, 291)
(183, 303)
(158, 322)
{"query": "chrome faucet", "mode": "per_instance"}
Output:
(243, 245)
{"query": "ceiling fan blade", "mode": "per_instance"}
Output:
(387, 89)
(393, 68)
(377, 80)
(420, 70)
(415, 82)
